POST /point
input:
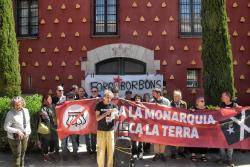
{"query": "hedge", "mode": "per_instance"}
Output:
(33, 103)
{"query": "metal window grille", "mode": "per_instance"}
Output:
(193, 78)
(27, 18)
(190, 17)
(105, 17)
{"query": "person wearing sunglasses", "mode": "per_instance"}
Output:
(199, 105)
(59, 98)
(95, 93)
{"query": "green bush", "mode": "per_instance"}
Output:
(33, 103)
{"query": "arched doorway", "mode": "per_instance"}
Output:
(120, 66)
(124, 54)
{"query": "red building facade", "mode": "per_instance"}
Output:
(66, 48)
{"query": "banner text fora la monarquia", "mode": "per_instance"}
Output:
(147, 116)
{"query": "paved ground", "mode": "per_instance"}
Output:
(34, 160)
(86, 160)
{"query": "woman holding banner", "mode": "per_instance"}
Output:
(200, 105)
(106, 113)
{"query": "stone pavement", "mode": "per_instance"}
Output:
(86, 160)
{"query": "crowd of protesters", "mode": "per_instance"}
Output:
(17, 125)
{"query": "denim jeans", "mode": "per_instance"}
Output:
(73, 139)
(226, 154)
(90, 142)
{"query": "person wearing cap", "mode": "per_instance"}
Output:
(159, 149)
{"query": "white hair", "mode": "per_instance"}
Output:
(178, 92)
(108, 93)
(16, 100)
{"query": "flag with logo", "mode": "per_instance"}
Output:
(76, 117)
(237, 128)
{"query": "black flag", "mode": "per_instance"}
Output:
(237, 128)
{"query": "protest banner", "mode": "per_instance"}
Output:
(154, 123)
(138, 84)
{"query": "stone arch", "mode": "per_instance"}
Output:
(120, 50)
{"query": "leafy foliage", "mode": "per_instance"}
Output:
(33, 103)
(216, 51)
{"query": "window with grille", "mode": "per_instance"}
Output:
(190, 18)
(27, 18)
(105, 17)
(193, 78)
(120, 66)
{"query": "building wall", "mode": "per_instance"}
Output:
(44, 76)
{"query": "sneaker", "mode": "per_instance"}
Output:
(140, 156)
(194, 157)
(230, 163)
(134, 157)
(163, 158)
(156, 157)
(47, 158)
(203, 158)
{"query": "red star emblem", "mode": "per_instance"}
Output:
(117, 80)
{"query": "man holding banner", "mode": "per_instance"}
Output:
(158, 148)
(106, 112)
